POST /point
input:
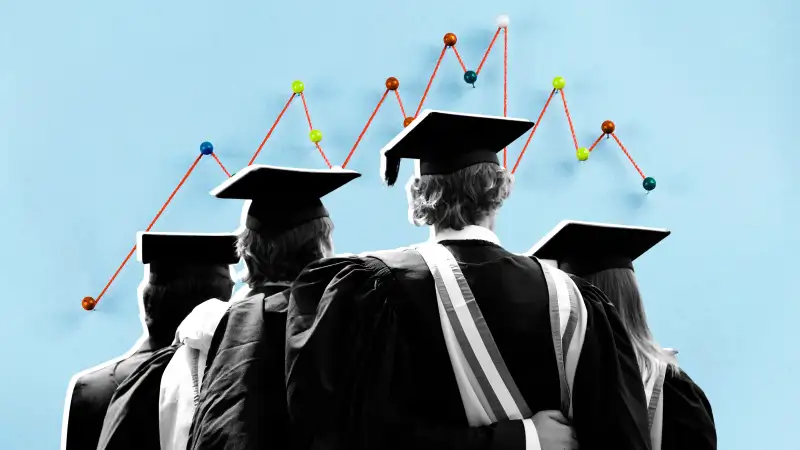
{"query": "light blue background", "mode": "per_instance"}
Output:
(103, 105)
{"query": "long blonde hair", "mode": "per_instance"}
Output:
(622, 289)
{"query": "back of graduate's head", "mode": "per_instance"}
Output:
(167, 304)
(460, 181)
(183, 270)
(469, 196)
(286, 226)
(603, 254)
(281, 257)
(622, 289)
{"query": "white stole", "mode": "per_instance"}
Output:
(179, 391)
(654, 392)
(568, 322)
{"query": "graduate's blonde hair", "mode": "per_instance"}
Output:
(622, 289)
(455, 200)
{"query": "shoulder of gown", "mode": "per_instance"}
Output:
(242, 402)
(365, 274)
(128, 365)
(91, 393)
(353, 281)
(333, 292)
(688, 419)
(90, 385)
(131, 421)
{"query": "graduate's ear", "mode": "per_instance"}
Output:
(391, 170)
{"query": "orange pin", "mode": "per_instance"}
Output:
(88, 303)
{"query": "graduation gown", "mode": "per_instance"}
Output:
(131, 422)
(242, 404)
(688, 420)
(368, 368)
(91, 396)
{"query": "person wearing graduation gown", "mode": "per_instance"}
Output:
(165, 301)
(396, 350)
(182, 271)
(679, 412)
(225, 387)
(91, 393)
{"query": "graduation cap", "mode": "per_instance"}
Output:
(445, 142)
(584, 248)
(174, 255)
(282, 197)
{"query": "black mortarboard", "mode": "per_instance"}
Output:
(445, 142)
(584, 248)
(282, 197)
(174, 255)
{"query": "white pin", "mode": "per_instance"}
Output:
(502, 21)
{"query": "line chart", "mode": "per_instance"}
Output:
(392, 85)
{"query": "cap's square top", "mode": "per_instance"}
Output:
(583, 248)
(283, 185)
(282, 197)
(187, 248)
(445, 142)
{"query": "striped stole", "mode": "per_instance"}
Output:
(568, 324)
(655, 405)
(488, 391)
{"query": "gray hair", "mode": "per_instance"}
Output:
(281, 258)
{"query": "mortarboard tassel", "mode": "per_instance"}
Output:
(391, 170)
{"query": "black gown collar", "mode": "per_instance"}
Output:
(469, 243)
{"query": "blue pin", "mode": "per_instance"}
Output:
(206, 148)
